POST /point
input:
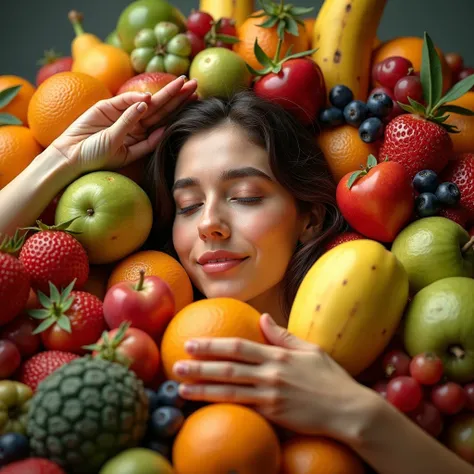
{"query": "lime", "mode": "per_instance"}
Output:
(219, 73)
(137, 461)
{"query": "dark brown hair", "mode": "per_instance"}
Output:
(295, 160)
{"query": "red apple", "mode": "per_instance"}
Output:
(20, 332)
(147, 82)
(147, 303)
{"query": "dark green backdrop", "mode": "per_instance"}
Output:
(28, 27)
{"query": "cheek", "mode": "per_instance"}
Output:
(183, 239)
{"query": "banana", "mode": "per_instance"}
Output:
(238, 10)
(351, 302)
(344, 33)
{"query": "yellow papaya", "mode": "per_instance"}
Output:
(351, 302)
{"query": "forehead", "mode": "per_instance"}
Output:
(208, 153)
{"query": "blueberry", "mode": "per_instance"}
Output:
(371, 129)
(340, 96)
(165, 422)
(152, 400)
(426, 205)
(160, 447)
(355, 112)
(13, 447)
(331, 117)
(448, 194)
(425, 181)
(380, 104)
(168, 394)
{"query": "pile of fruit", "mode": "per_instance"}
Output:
(91, 323)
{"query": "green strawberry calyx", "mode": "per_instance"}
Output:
(61, 227)
(437, 108)
(12, 245)
(50, 57)
(107, 349)
(213, 35)
(55, 307)
(6, 96)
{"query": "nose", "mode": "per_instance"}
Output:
(212, 225)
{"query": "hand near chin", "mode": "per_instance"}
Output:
(291, 382)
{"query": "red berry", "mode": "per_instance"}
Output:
(375, 72)
(381, 388)
(408, 86)
(449, 398)
(197, 43)
(396, 363)
(10, 358)
(200, 23)
(393, 69)
(227, 27)
(428, 417)
(20, 332)
(469, 389)
(426, 368)
(455, 62)
(404, 393)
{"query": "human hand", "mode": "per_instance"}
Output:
(115, 132)
(291, 382)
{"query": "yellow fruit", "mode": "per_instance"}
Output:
(238, 10)
(350, 303)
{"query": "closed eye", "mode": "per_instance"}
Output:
(243, 200)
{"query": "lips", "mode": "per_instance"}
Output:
(219, 256)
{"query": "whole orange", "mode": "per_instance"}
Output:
(18, 148)
(267, 40)
(309, 27)
(19, 105)
(213, 317)
(226, 438)
(109, 64)
(59, 101)
(411, 48)
(463, 142)
(317, 455)
(344, 150)
(159, 264)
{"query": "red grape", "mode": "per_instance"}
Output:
(404, 393)
(381, 388)
(200, 23)
(428, 417)
(409, 86)
(449, 398)
(455, 62)
(427, 368)
(396, 363)
(375, 72)
(20, 332)
(469, 389)
(10, 358)
(227, 27)
(197, 43)
(393, 69)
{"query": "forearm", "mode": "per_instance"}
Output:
(24, 199)
(393, 444)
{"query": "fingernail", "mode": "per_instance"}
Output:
(181, 368)
(183, 77)
(141, 107)
(186, 389)
(270, 319)
(148, 93)
(191, 346)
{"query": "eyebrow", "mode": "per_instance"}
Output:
(227, 175)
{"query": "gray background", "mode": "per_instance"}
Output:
(29, 27)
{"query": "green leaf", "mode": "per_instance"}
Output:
(261, 56)
(354, 176)
(281, 30)
(457, 91)
(454, 109)
(92, 347)
(9, 119)
(64, 323)
(228, 39)
(39, 313)
(44, 300)
(67, 291)
(419, 108)
(47, 323)
(407, 108)
(54, 293)
(302, 54)
(8, 94)
(299, 11)
(431, 74)
(270, 22)
(292, 26)
(371, 161)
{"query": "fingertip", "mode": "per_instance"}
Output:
(142, 106)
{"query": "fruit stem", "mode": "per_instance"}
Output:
(457, 351)
(468, 245)
(276, 59)
(76, 19)
(139, 285)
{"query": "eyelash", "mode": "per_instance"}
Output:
(247, 200)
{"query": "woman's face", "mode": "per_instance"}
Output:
(236, 227)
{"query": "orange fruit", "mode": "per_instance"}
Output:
(267, 40)
(59, 101)
(213, 317)
(19, 105)
(317, 455)
(226, 438)
(463, 142)
(411, 48)
(344, 150)
(159, 264)
(18, 148)
(309, 26)
(97, 280)
(109, 64)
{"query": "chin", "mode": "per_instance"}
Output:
(226, 290)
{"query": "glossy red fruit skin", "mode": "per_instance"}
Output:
(417, 144)
(299, 88)
(426, 368)
(197, 43)
(379, 204)
(200, 23)
(10, 358)
(48, 70)
(397, 393)
(457, 214)
(341, 238)
(396, 363)
(428, 417)
(392, 69)
(20, 332)
(449, 398)
(227, 27)
(34, 465)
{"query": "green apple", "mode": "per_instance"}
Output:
(434, 248)
(137, 461)
(440, 319)
(113, 215)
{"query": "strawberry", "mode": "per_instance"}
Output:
(420, 139)
(461, 173)
(52, 63)
(459, 214)
(341, 238)
(32, 466)
(35, 369)
(53, 255)
(14, 279)
(69, 320)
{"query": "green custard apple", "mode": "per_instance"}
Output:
(86, 412)
(440, 319)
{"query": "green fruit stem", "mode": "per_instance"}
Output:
(139, 285)
(468, 245)
(76, 19)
